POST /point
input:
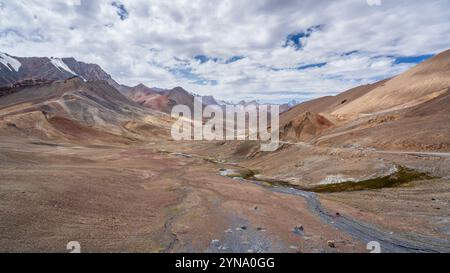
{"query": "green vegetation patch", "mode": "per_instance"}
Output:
(402, 176)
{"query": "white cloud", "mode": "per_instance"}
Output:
(159, 38)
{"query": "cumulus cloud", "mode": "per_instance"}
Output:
(269, 50)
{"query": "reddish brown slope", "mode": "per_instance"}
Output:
(305, 127)
(75, 110)
(161, 100)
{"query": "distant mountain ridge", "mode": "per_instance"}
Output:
(26, 70)
(382, 115)
(14, 69)
(164, 99)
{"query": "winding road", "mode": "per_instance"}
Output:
(427, 154)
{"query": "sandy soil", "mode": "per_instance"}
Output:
(137, 199)
(418, 208)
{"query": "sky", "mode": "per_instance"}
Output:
(270, 50)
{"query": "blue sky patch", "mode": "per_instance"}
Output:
(121, 10)
(296, 40)
(306, 66)
(187, 73)
(412, 59)
(203, 58)
(234, 59)
(205, 82)
(350, 53)
(300, 67)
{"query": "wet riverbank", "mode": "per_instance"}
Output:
(388, 240)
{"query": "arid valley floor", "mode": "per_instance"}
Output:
(162, 197)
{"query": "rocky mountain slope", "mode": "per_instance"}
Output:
(79, 111)
(386, 114)
(14, 69)
(305, 126)
(162, 100)
(426, 81)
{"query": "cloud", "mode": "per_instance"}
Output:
(233, 49)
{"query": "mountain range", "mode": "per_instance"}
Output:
(366, 115)
(15, 71)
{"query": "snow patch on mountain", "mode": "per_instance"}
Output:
(59, 63)
(10, 62)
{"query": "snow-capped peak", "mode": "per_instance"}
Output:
(59, 63)
(10, 62)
